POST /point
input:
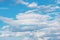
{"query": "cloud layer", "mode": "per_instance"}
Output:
(28, 21)
(42, 23)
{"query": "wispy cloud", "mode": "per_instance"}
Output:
(21, 2)
(31, 5)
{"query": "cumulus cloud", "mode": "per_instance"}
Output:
(32, 15)
(32, 20)
(36, 21)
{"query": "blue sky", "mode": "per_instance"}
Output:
(26, 19)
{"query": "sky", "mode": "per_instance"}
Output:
(29, 19)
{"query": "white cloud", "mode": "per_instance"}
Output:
(26, 38)
(31, 21)
(14, 34)
(33, 17)
(4, 34)
(28, 18)
(5, 26)
(7, 20)
(39, 34)
(33, 5)
(40, 39)
(48, 9)
(51, 29)
(21, 2)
